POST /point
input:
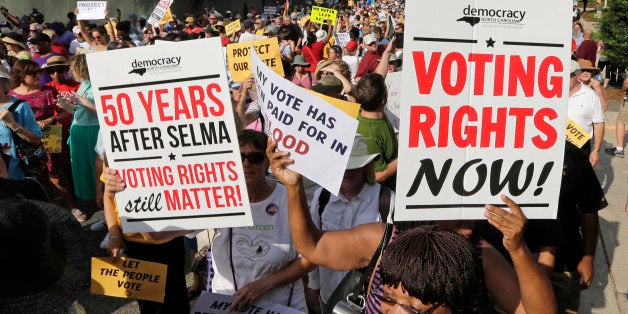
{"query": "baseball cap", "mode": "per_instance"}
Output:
(368, 39)
(189, 19)
(352, 46)
(39, 38)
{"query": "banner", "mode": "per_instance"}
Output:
(159, 12)
(213, 303)
(239, 57)
(268, 10)
(91, 10)
(320, 15)
(312, 130)
(168, 128)
(125, 277)
(52, 138)
(483, 108)
(393, 104)
(232, 27)
(342, 39)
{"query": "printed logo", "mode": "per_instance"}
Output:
(159, 65)
(272, 209)
(474, 16)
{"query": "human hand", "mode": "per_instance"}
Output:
(116, 246)
(594, 157)
(113, 182)
(511, 224)
(248, 83)
(6, 116)
(279, 160)
(43, 123)
(391, 45)
(248, 294)
(594, 83)
(587, 272)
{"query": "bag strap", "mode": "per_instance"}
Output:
(16, 138)
(357, 290)
(384, 202)
(323, 199)
(14, 105)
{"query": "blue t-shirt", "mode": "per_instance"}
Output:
(23, 115)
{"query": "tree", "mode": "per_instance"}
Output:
(613, 29)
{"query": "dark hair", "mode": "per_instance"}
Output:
(336, 49)
(100, 29)
(256, 139)
(21, 69)
(433, 264)
(311, 38)
(124, 26)
(370, 92)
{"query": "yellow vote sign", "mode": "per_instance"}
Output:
(128, 278)
(232, 27)
(350, 108)
(320, 14)
(51, 137)
(576, 135)
(239, 57)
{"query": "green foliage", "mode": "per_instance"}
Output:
(613, 29)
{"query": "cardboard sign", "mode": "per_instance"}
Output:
(125, 277)
(576, 135)
(91, 10)
(239, 57)
(320, 15)
(158, 13)
(232, 27)
(311, 129)
(168, 128)
(52, 136)
(213, 303)
(167, 18)
(483, 108)
(342, 39)
(393, 85)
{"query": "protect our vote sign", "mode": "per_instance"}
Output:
(168, 128)
(318, 135)
(483, 108)
(91, 10)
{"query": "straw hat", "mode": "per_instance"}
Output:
(15, 39)
(587, 65)
(55, 61)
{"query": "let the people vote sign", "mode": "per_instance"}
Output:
(484, 107)
(168, 128)
(318, 135)
(128, 278)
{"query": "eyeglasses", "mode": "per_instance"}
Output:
(59, 70)
(407, 308)
(253, 158)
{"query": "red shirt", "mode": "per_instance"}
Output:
(313, 54)
(369, 62)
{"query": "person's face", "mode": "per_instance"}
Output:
(278, 22)
(299, 68)
(99, 38)
(41, 47)
(378, 35)
(333, 54)
(372, 47)
(32, 77)
(392, 67)
(258, 24)
(255, 163)
(352, 179)
(585, 76)
(57, 73)
(398, 29)
(148, 34)
(213, 19)
(397, 300)
(576, 28)
(624, 86)
(32, 32)
(573, 79)
(12, 47)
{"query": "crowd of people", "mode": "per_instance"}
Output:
(431, 267)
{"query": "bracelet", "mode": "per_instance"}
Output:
(112, 237)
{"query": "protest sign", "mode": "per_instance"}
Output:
(125, 277)
(213, 303)
(393, 85)
(232, 27)
(51, 137)
(483, 108)
(311, 129)
(168, 128)
(350, 108)
(342, 39)
(320, 15)
(167, 18)
(270, 10)
(158, 13)
(91, 10)
(239, 57)
(576, 135)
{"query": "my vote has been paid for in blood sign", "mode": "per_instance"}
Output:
(484, 105)
(168, 128)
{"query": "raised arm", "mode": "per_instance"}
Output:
(338, 250)
(382, 66)
(83, 30)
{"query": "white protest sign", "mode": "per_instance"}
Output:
(158, 13)
(342, 39)
(168, 128)
(213, 303)
(314, 131)
(484, 108)
(91, 10)
(393, 85)
(268, 10)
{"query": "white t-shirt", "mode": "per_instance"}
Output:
(258, 251)
(352, 61)
(585, 108)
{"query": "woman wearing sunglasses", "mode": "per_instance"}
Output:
(96, 37)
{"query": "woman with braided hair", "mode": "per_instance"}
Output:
(428, 269)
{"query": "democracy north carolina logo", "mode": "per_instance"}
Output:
(159, 65)
(473, 16)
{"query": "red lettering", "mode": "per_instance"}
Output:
(425, 77)
(480, 60)
(556, 81)
(461, 71)
(525, 77)
(148, 104)
(545, 128)
(217, 112)
(443, 127)
(197, 100)
(180, 105)
(498, 127)
(469, 131)
(498, 80)
(161, 105)
(420, 126)
(520, 115)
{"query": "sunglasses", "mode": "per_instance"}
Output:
(98, 37)
(148, 33)
(60, 70)
(587, 70)
(253, 158)
(34, 73)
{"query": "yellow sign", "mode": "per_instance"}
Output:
(167, 18)
(51, 136)
(576, 135)
(350, 108)
(320, 14)
(239, 57)
(129, 278)
(232, 27)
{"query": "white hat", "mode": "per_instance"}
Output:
(575, 66)
(320, 34)
(360, 156)
(76, 30)
(368, 39)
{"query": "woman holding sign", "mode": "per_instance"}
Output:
(427, 268)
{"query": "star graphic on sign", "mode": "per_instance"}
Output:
(490, 43)
(172, 156)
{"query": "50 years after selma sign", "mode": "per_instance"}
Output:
(168, 128)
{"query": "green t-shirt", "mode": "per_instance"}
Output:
(380, 138)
